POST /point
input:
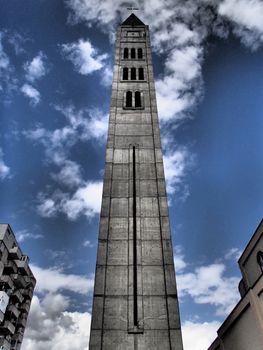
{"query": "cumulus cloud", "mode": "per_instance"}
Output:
(53, 280)
(4, 169)
(69, 174)
(32, 93)
(198, 335)
(106, 76)
(179, 259)
(51, 327)
(179, 30)
(81, 125)
(86, 200)
(84, 56)
(79, 196)
(176, 164)
(36, 68)
(209, 285)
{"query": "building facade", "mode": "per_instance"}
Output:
(135, 303)
(243, 328)
(16, 290)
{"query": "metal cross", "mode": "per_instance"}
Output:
(133, 8)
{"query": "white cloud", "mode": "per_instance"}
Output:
(37, 68)
(69, 174)
(106, 76)
(81, 125)
(181, 87)
(4, 169)
(179, 259)
(53, 280)
(51, 327)
(208, 285)
(86, 200)
(4, 60)
(47, 206)
(199, 336)
(22, 235)
(32, 93)
(248, 13)
(84, 56)
(247, 19)
(176, 164)
(233, 254)
(88, 244)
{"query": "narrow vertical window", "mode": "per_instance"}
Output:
(128, 99)
(126, 53)
(125, 73)
(132, 53)
(141, 74)
(138, 100)
(133, 73)
(139, 53)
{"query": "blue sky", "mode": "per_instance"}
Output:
(56, 60)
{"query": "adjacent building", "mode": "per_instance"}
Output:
(135, 304)
(243, 328)
(16, 290)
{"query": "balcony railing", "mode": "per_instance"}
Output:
(17, 296)
(27, 293)
(6, 282)
(15, 253)
(19, 280)
(23, 267)
(5, 344)
(12, 309)
(7, 328)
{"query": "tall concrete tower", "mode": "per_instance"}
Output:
(135, 303)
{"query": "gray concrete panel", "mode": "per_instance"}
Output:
(153, 280)
(118, 228)
(152, 253)
(119, 207)
(117, 280)
(117, 253)
(120, 171)
(155, 312)
(154, 340)
(150, 228)
(115, 315)
(117, 340)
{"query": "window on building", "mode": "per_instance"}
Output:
(139, 53)
(133, 73)
(125, 73)
(138, 99)
(141, 74)
(128, 99)
(260, 260)
(132, 53)
(126, 53)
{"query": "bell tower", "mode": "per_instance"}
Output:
(135, 304)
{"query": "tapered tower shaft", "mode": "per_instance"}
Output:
(135, 303)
